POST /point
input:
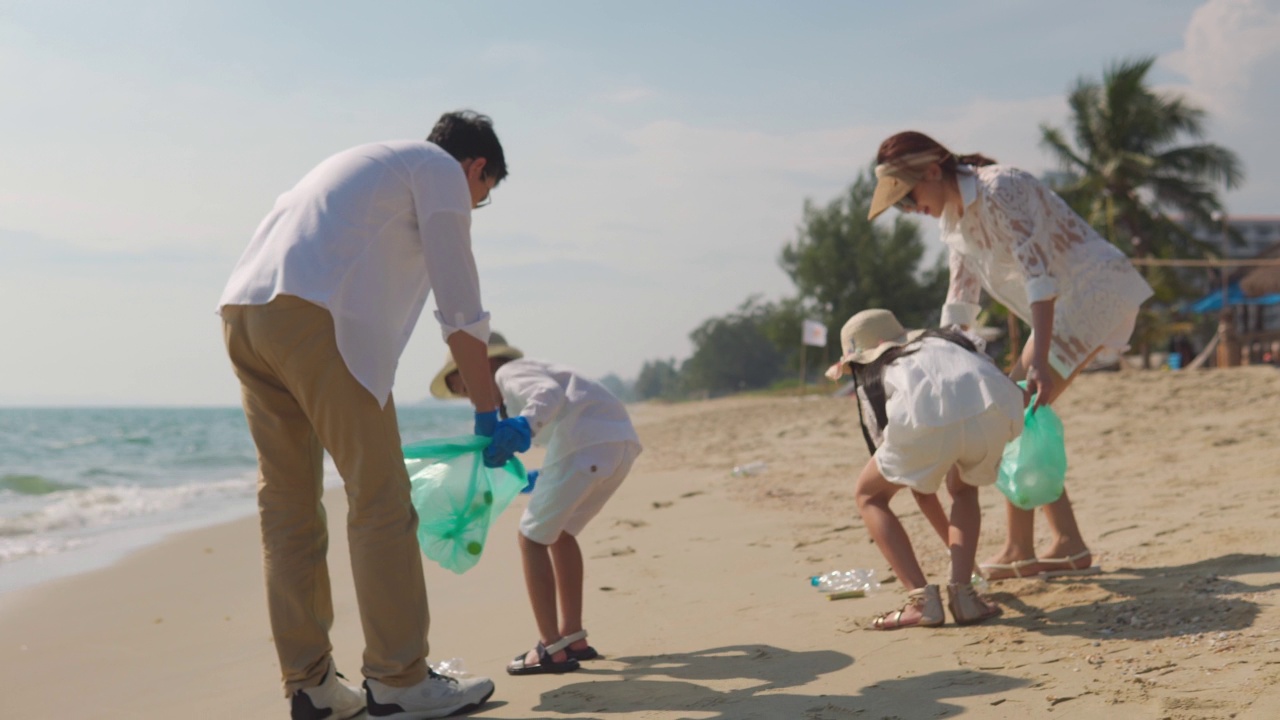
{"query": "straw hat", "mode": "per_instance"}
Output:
(498, 348)
(867, 336)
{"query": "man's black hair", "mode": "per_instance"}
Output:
(467, 134)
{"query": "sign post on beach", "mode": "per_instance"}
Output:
(813, 333)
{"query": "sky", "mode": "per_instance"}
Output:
(660, 152)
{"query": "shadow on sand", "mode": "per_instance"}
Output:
(762, 674)
(1155, 602)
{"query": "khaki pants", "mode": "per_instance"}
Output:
(300, 399)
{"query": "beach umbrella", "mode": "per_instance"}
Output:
(457, 497)
(1235, 295)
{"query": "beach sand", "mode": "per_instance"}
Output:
(697, 592)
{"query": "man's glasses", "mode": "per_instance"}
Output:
(907, 203)
(488, 199)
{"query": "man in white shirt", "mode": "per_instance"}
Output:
(315, 317)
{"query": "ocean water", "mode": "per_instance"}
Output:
(80, 487)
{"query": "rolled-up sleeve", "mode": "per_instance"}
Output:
(964, 292)
(451, 268)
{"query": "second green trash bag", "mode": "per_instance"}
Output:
(1034, 466)
(457, 497)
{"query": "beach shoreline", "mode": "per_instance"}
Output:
(697, 592)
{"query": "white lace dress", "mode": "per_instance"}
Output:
(1022, 243)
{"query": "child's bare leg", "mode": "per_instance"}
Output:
(931, 508)
(872, 494)
(566, 556)
(966, 523)
(540, 581)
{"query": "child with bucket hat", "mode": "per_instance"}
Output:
(591, 446)
(936, 408)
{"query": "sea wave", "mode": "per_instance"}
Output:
(89, 508)
(33, 485)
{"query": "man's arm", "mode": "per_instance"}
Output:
(472, 358)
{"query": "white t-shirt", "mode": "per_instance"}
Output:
(566, 411)
(368, 234)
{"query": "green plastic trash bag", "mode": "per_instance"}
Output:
(457, 497)
(1034, 465)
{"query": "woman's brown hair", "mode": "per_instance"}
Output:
(912, 142)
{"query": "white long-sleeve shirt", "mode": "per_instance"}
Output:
(1022, 243)
(368, 234)
(942, 384)
(566, 411)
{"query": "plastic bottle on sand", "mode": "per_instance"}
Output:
(863, 579)
(752, 468)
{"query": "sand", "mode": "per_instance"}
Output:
(697, 592)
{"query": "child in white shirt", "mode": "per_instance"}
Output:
(940, 409)
(591, 446)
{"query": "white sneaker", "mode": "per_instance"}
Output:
(332, 699)
(436, 696)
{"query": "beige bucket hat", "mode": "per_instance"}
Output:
(867, 336)
(498, 348)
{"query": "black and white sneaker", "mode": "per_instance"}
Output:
(436, 696)
(332, 699)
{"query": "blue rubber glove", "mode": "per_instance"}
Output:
(486, 423)
(533, 480)
(509, 437)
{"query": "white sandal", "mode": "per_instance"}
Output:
(587, 653)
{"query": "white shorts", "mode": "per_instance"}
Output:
(919, 457)
(573, 490)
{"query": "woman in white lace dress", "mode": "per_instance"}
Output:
(1009, 234)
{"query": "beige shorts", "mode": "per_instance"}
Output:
(919, 457)
(573, 490)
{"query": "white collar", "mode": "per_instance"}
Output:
(967, 182)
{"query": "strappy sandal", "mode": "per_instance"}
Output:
(587, 653)
(987, 570)
(968, 607)
(1070, 569)
(519, 666)
(928, 603)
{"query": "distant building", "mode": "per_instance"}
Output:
(1258, 233)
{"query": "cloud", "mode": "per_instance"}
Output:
(1230, 59)
(630, 95)
(1231, 50)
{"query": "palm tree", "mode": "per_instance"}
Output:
(1132, 174)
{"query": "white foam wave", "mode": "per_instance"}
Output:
(104, 506)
